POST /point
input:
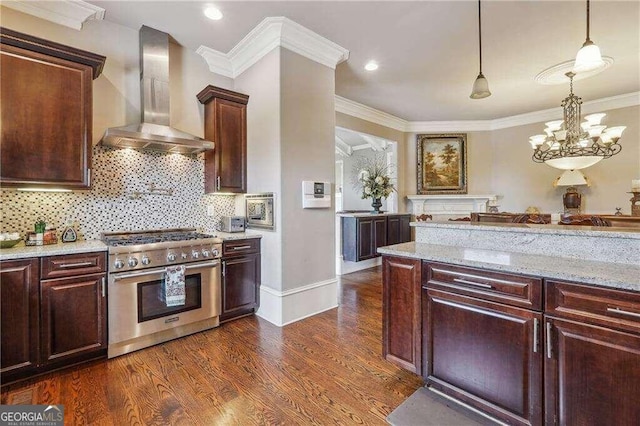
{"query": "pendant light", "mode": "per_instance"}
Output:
(481, 85)
(588, 57)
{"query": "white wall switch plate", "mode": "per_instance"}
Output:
(211, 210)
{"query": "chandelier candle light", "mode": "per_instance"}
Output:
(570, 145)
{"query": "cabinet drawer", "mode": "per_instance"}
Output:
(510, 289)
(73, 264)
(600, 306)
(251, 245)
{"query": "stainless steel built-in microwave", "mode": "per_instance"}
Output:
(260, 211)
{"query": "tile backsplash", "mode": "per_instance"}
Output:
(110, 205)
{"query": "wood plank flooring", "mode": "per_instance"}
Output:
(326, 369)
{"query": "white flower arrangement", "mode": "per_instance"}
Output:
(372, 177)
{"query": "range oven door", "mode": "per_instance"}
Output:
(136, 308)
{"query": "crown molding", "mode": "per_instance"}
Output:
(70, 13)
(271, 33)
(358, 110)
(364, 112)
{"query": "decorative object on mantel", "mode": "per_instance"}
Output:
(493, 206)
(635, 203)
(570, 145)
(480, 88)
(588, 57)
(442, 163)
(584, 221)
(372, 178)
(153, 190)
(618, 211)
(424, 217)
(572, 199)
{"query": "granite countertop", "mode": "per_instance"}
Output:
(21, 251)
(230, 236)
(366, 214)
(604, 274)
(588, 231)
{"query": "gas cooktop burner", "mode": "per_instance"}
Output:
(130, 240)
(151, 237)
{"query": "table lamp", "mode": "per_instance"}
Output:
(571, 199)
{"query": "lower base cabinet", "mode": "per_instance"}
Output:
(592, 375)
(491, 340)
(48, 324)
(240, 278)
(484, 354)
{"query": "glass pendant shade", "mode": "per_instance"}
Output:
(480, 88)
(573, 163)
(588, 58)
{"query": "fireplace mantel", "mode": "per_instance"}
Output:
(449, 205)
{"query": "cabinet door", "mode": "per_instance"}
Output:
(19, 317)
(485, 354)
(226, 165)
(393, 230)
(240, 286)
(365, 238)
(73, 318)
(46, 119)
(592, 375)
(379, 234)
(405, 228)
(401, 322)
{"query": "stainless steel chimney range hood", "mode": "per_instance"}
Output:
(154, 133)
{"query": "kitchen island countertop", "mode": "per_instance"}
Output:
(21, 251)
(604, 274)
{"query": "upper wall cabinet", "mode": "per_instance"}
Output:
(45, 112)
(225, 123)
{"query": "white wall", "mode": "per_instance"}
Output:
(262, 83)
(307, 153)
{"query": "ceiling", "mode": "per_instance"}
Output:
(428, 50)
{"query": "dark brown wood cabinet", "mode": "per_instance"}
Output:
(362, 235)
(592, 362)
(52, 323)
(225, 124)
(401, 323)
(240, 278)
(482, 339)
(525, 350)
(46, 112)
(20, 315)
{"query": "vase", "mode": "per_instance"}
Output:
(376, 204)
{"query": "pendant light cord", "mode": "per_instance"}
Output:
(480, 34)
(588, 20)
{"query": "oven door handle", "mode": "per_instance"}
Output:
(161, 270)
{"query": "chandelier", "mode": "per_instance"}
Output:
(570, 145)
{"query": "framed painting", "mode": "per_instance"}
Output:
(442, 164)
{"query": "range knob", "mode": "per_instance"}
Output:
(183, 256)
(205, 253)
(195, 254)
(119, 264)
(132, 262)
(215, 252)
(171, 257)
(145, 260)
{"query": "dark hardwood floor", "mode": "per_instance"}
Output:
(326, 369)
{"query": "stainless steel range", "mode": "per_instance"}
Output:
(138, 261)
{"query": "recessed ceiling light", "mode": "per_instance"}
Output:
(213, 13)
(371, 66)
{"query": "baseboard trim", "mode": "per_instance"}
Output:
(285, 307)
(349, 267)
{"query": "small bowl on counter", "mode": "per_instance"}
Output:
(9, 239)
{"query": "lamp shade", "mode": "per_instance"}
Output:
(480, 88)
(571, 178)
(588, 58)
(573, 163)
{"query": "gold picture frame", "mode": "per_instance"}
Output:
(442, 163)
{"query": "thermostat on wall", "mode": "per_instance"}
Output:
(316, 195)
